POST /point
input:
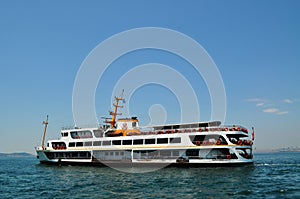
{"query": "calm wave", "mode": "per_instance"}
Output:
(272, 176)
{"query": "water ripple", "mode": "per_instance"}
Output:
(272, 176)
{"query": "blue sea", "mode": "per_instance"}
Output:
(274, 175)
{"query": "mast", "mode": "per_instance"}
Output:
(114, 113)
(45, 129)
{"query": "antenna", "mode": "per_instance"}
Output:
(114, 113)
(45, 129)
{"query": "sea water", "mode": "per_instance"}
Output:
(273, 175)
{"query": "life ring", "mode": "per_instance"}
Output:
(218, 142)
(198, 143)
(204, 143)
(240, 142)
(228, 157)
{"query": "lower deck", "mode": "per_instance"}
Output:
(208, 156)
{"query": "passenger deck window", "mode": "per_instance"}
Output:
(150, 141)
(165, 153)
(98, 133)
(106, 143)
(175, 153)
(162, 140)
(116, 142)
(88, 143)
(81, 134)
(79, 144)
(137, 141)
(175, 140)
(72, 144)
(127, 142)
(97, 143)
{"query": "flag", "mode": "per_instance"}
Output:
(252, 133)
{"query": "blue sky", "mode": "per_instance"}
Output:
(255, 45)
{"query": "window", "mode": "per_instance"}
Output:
(127, 142)
(162, 140)
(192, 152)
(84, 154)
(175, 140)
(150, 141)
(97, 143)
(116, 153)
(98, 133)
(88, 143)
(72, 144)
(138, 141)
(79, 144)
(81, 134)
(106, 143)
(116, 142)
(133, 124)
(65, 134)
(74, 154)
(165, 153)
(175, 153)
(58, 145)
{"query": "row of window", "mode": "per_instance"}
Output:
(83, 134)
(69, 155)
(127, 142)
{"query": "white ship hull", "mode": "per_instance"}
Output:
(124, 143)
(179, 149)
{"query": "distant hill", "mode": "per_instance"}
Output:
(16, 155)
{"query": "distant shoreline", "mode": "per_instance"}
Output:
(17, 155)
(265, 152)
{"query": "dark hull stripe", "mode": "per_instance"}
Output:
(152, 165)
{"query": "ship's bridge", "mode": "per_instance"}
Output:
(127, 123)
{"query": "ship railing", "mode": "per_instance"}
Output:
(200, 129)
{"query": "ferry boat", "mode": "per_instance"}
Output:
(122, 142)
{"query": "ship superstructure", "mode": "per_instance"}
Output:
(124, 142)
